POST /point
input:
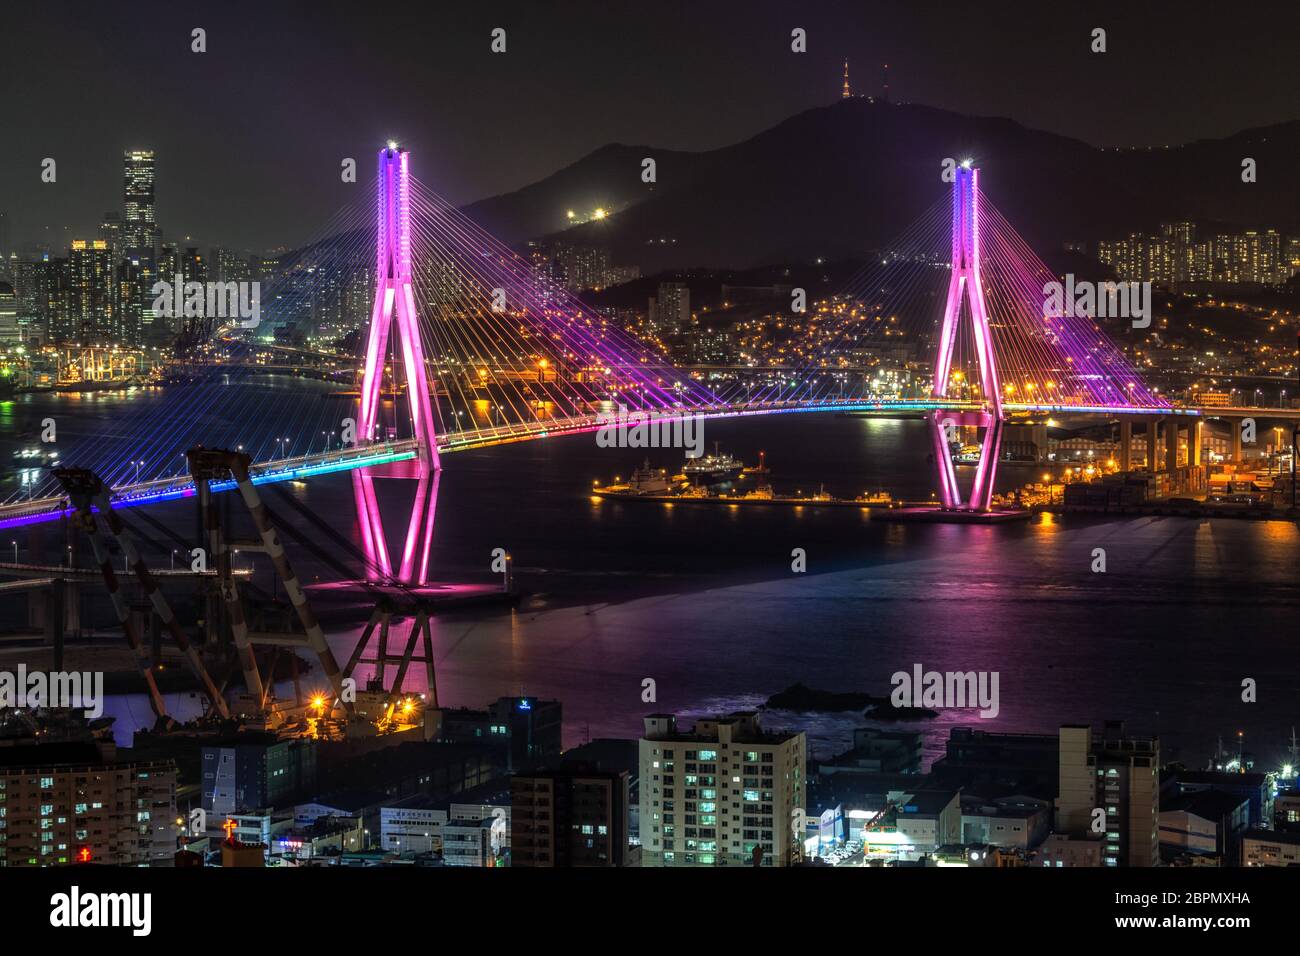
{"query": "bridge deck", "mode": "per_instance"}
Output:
(38, 510)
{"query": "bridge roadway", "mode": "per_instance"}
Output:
(301, 467)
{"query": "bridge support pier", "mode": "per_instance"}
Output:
(1171, 444)
(1234, 432)
(966, 282)
(395, 306)
(54, 611)
(1153, 434)
(1194, 450)
(1125, 445)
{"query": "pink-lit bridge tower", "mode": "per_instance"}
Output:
(966, 283)
(395, 299)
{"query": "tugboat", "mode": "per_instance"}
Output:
(715, 467)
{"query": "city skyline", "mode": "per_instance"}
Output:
(1146, 52)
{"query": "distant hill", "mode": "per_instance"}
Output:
(836, 181)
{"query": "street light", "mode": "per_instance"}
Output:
(15, 544)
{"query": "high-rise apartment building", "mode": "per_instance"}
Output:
(670, 310)
(42, 287)
(94, 313)
(229, 266)
(64, 803)
(10, 330)
(1176, 256)
(1291, 256)
(716, 795)
(573, 816)
(110, 230)
(1119, 775)
(194, 266)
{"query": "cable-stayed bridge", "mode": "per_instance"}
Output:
(468, 345)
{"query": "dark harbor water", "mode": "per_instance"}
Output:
(702, 599)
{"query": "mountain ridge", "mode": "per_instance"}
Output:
(835, 181)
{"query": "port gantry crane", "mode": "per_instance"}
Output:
(215, 470)
(87, 493)
(212, 465)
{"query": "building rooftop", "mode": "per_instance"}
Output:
(350, 801)
(741, 726)
(1273, 836)
(607, 753)
(1222, 778)
(926, 803)
(1207, 804)
(51, 754)
(494, 793)
(975, 805)
(571, 769)
(66, 754)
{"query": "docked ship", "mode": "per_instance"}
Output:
(878, 498)
(715, 467)
(644, 482)
(650, 481)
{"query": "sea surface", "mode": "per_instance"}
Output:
(703, 601)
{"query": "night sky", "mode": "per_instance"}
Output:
(250, 135)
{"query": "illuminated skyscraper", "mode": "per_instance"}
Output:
(10, 331)
(846, 92)
(139, 239)
(92, 293)
(140, 226)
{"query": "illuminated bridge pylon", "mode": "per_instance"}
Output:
(395, 299)
(966, 282)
